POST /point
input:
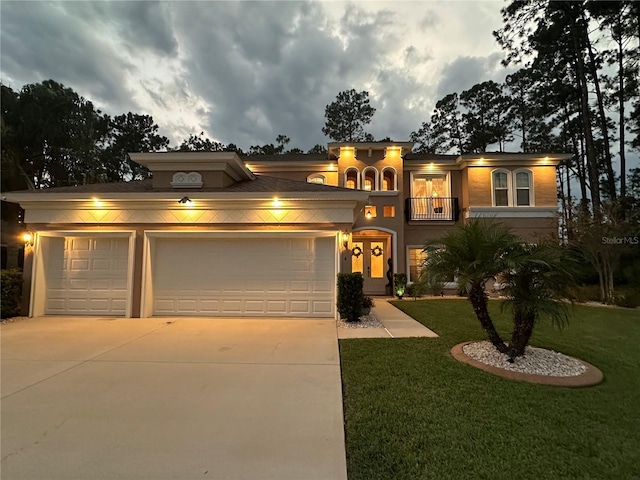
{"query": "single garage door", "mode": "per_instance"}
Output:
(285, 276)
(86, 275)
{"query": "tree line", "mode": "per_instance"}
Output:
(53, 137)
(577, 91)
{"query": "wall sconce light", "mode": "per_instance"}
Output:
(28, 238)
(185, 201)
(345, 239)
(368, 211)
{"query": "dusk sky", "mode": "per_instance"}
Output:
(245, 72)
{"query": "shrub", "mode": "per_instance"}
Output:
(367, 302)
(11, 292)
(399, 284)
(350, 296)
(629, 299)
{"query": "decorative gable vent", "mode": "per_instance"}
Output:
(187, 180)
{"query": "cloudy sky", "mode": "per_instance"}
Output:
(244, 72)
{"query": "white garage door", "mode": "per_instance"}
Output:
(287, 276)
(86, 275)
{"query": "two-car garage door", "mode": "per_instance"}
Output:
(247, 276)
(258, 275)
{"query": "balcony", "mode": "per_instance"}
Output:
(431, 209)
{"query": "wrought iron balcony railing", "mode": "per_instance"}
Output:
(431, 208)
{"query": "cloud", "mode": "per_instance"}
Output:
(464, 72)
(245, 72)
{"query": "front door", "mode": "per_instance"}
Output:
(369, 256)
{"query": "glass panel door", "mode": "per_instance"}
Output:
(370, 256)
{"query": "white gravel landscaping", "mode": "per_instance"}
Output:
(366, 321)
(537, 361)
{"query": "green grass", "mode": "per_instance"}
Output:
(413, 412)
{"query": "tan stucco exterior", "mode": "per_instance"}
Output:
(217, 206)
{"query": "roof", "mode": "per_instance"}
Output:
(289, 157)
(262, 183)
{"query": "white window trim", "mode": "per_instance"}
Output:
(346, 174)
(509, 187)
(376, 178)
(512, 190)
(408, 257)
(395, 178)
(315, 176)
(532, 202)
(434, 173)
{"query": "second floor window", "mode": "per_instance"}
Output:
(430, 186)
(500, 189)
(351, 178)
(523, 188)
(512, 189)
(388, 179)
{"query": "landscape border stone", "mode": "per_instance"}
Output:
(592, 376)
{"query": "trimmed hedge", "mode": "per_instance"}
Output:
(350, 296)
(11, 292)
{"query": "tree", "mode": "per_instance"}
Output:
(347, 116)
(473, 254)
(448, 125)
(536, 282)
(536, 278)
(318, 149)
(51, 135)
(131, 132)
(200, 143)
(425, 139)
(487, 116)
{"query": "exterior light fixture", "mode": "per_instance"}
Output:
(368, 210)
(185, 201)
(96, 202)
(345, 239)
(276, 202)
(28, 237)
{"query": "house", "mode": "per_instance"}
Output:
(211, 234)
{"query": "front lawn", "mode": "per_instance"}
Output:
(413, 412)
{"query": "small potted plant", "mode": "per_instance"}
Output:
(367, 303)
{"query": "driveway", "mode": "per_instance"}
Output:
(179, 398)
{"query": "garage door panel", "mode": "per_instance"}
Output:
(87, 276)
(244, 276)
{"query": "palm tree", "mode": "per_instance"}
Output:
(536, 280)
(475, 254)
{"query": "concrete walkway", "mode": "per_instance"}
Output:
(171, 398)
(397, 324)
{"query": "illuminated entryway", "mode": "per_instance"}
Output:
(370, 255)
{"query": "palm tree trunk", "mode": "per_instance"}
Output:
(479, 301)
(521, 334)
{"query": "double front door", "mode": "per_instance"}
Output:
(369, 256)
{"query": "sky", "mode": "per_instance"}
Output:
(245, 72)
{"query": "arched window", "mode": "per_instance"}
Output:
(523, 183)
(501, 187)
(351, 178)
(317, 178)
(389, 179)
(370, 179)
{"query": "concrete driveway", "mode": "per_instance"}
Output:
(179, 398)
